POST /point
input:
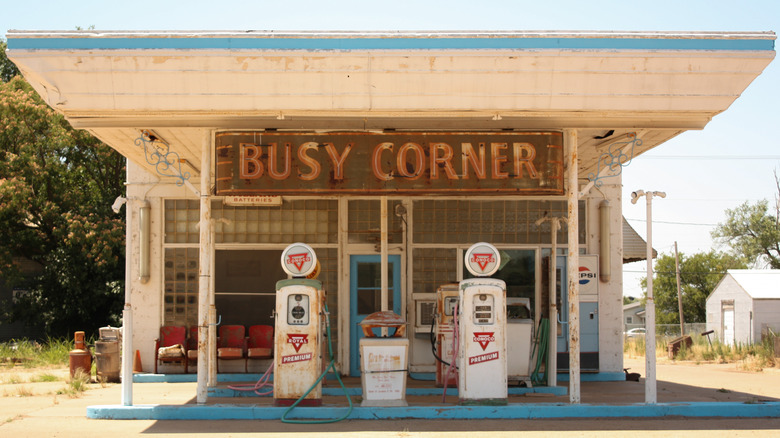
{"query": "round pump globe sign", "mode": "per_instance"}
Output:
(299, 260)
(482, 259)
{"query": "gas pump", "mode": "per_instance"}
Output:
(482, 355)
(447, 297)
(297, 358)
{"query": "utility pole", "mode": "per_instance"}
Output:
(679, 290)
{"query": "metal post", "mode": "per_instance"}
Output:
(127, 354)
(572, 198)
(204, 269)
(383, 251)
(127, 312)
(212, 342)
(650, 380)
(552, 349)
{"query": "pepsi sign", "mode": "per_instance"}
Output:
(589, 274)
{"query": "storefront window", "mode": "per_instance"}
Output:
(180, 297)
(304, 220)
(497, 222)
(181, 221)
(519, 274)
(364, 221)
(434, 267)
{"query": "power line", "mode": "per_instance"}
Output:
(711, 157)
(674, 223)
(681, 272)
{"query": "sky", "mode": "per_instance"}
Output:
(704, 173)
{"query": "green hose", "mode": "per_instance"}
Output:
(542, 340)
(330, 366)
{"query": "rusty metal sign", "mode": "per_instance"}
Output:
(282, 163)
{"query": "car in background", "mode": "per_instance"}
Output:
(635, 333)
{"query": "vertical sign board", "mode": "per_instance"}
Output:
(251, 163)
(589, 277)
(383, 371)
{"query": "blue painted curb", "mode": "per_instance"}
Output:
(511, 411)
(183, 378)
(227, 392)
(189, 378)
(595, 377)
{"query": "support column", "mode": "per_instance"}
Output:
(383, 217)
(204, 268)
(552, 349)
(650, 381)
(212, 342)
(572, 273)
(127, 311)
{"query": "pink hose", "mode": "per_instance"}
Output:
(455, 344)
(257, 386)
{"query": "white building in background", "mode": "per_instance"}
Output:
(745, 306)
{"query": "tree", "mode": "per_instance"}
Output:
(751, 230)
(699, 274)
(56, 188)
(7, 68)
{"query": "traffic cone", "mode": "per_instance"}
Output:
(137, 367)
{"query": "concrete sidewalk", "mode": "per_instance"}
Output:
(750, 395)
(719, 393)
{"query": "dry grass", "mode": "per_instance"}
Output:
(753, 357)
(77, 385)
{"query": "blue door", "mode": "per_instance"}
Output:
(365, 296)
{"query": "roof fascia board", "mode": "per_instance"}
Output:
(344, 41)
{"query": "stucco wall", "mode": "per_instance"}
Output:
(766, 314)
(146, 297)
(610, 310)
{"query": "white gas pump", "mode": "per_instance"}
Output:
(482, 355)
(447, 297)
(298, 334)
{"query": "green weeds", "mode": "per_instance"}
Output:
(31, 354)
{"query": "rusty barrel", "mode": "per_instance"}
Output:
(80, 357)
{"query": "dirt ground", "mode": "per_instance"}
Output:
(42, 409)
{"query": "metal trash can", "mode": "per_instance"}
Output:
(107, 361)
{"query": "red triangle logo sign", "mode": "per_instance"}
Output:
(484, 338)
(297, 340)
(298, 260)
(482, 259)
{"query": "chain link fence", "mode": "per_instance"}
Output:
(672, 330)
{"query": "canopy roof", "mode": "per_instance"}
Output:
(605, 84)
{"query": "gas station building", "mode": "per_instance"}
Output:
(390, 154)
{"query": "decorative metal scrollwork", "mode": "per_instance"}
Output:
(158, 153)
(618, 156)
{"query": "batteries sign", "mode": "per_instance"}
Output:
(299, 260)
(482, 259)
